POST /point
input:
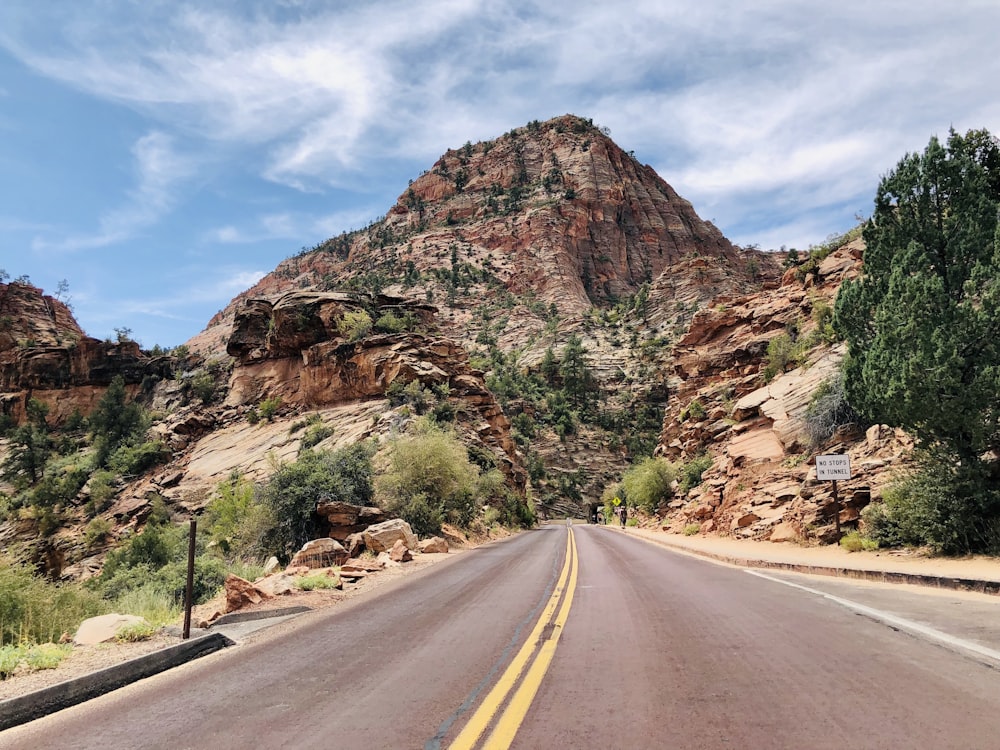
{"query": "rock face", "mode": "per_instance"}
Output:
(555, 209)
(761, 484)
(45, 355)
(315, 365)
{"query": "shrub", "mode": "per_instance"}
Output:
(828, 410)
(236, 520)
(691, 529)
(132, 459)
(203, 387)
(649, 483)
(779, 355)
(632, 522)
(268, 408)
(429, 479)
(695, 411)
(294, 489)
(390, 323)
(854, 541)
(151, 601)
(951, 508)
(137, 631)
(96, 532)
(691, 471)
(316, 581)
(355, 325)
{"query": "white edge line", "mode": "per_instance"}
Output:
(893, 620)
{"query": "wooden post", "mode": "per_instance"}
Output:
(189, 588)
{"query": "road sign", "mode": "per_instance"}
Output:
(833, 467)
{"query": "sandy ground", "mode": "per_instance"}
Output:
(86, 659)
(833, 556)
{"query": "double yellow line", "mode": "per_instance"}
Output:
(541, 649)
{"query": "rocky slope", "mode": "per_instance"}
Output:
(504, 255)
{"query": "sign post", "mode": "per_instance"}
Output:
(834, 467)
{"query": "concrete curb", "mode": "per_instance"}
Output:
(881, 576)
(42, 702)
(234, 617)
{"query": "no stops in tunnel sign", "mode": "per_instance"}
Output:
(834, 467)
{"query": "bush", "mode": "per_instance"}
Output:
(854, 541)
(267, 408)
(691, 471)
(691, 529)
(355, 325)
(429, 480)
(316, 581)
(952, 509)
(33, 610)
(137, 631)
(132, 459)
(96, 532)
(236, 520)
(649, 483)
(292, 492)
(828, 410)
(694, 411)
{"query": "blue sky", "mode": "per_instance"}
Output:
(162, 156)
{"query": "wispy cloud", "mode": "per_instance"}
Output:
(728, 99)
(289, 225)
(159, 171)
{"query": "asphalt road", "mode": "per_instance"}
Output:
(616, 643)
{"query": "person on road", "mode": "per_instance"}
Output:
(622, 514)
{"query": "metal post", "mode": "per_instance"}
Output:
(189, 588)
(836, 508)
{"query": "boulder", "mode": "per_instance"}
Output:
(399, 552)
(271, 565)
(277, 584)
(381, 536)
(320, 553)
(744, 520)
(355, 544)
(432, 545)
(784, 532)
(104, 628)
(241, 593)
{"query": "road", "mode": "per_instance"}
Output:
(614, 642)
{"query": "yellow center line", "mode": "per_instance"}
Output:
(511, 720)
(481, 719)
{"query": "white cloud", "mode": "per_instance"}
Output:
(729, 99)
(159, 171)
(294, 226)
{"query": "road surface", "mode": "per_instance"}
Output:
(577, 637)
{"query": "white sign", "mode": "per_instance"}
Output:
(833, 467)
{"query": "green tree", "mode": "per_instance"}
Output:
(430, 479)
(578, 381)
(115, 420)
(293, 491)
(922, 323)
(649, 483)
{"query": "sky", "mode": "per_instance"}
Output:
(160, 157)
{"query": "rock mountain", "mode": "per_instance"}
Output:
(570, 309)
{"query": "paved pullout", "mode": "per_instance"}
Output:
(658, 650)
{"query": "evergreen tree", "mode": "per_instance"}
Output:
(923, 322)
(578, 381)
(922, 325)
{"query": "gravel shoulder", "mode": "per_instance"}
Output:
(84, 660)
